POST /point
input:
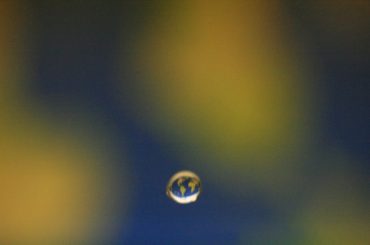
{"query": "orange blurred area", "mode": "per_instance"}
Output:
(56, 188)
(225, 81)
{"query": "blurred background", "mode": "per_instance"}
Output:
(102, 101)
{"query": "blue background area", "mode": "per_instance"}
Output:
(74, 53)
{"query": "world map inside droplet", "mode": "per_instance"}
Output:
(184, 187)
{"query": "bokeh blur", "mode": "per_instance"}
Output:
(102, 101)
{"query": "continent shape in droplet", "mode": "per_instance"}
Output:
(184, 187)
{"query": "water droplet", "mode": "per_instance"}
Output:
(184, 187)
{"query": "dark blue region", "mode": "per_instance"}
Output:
(343, 82)
(155, 219)
(217, 217)
(183, 230)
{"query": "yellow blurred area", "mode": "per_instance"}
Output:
(222, 77)
(56, 184)
(52, 188)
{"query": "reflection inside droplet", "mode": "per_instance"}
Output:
(184, 187)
